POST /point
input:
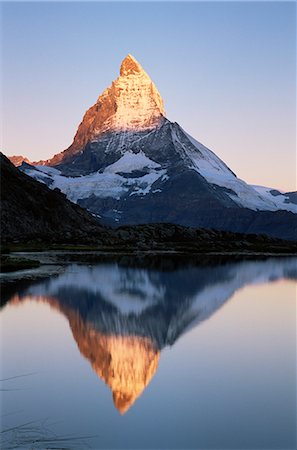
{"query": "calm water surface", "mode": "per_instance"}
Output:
(119, 357)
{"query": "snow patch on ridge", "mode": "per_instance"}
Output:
(147, 181)
(48, 170)
(131, 161)
(281, 200)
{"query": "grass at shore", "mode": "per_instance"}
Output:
(12, 264)
(285, 247)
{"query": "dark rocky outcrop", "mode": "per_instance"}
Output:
(30, 210)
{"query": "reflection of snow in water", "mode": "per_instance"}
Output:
(196, 292)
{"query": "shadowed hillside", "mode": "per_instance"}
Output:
(30, 209)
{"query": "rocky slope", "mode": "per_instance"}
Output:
(30, 210)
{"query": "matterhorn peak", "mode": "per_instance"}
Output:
(138, 104)
(131, 104)
(130, 66)
(125, 363)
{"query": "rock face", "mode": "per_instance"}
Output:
(128, 164)
(18, 160)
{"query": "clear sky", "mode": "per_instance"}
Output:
(226, 72)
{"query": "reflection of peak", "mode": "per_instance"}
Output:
(121, 318)
(125, 363)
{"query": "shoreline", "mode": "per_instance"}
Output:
(26, 263)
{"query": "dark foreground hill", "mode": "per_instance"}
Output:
(34, 215)
(29, 210)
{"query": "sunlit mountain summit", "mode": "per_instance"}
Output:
(129, 164)
(132, 104)
(123, 317)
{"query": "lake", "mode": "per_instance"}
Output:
(151, 356)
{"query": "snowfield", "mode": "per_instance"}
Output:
(131, 161)
(106, 184)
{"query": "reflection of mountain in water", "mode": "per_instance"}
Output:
(121, 317)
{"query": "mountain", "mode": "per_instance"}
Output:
(128, 164)
(18, 160)
(121, 327)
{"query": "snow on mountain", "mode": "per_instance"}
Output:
(131, 161)
(102, 185)
(216, 172)
(281, 200)
(48, 170)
